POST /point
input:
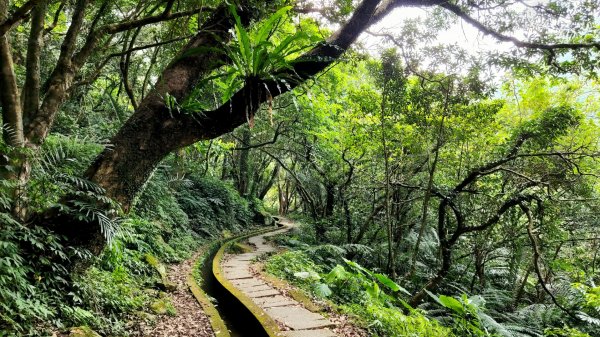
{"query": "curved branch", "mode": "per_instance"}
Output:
(278, 132)
(505, 38)
(536, 260)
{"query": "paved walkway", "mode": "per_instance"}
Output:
(302, 323)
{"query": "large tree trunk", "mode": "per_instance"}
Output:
(155, 130)
(9, 92)
(31, 88)
(13, 165)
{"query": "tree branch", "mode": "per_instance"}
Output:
(31, 88)
(213, 124)
(18, 15)
(50, 27)
(253, 146)
(505, 38)
(517, 200)
(9, 92)
(60, 80)
(536, 260)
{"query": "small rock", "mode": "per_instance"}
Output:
(83, 331)
(163, 307)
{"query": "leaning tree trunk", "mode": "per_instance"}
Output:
(155, 130)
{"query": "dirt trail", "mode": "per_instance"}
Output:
(190, 320)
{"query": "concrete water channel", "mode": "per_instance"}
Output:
(249, 306)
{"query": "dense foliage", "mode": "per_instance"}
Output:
(453, 186)
(174, 217)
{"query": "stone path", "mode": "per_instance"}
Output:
(302, 323)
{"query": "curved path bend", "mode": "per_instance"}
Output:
(288, 312)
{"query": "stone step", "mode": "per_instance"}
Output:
(273, 301)
(237, 274)
(247, 283)
(298, 318)
(262, 293)
(310, 333)
(252, 288)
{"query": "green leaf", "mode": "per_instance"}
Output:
(338, 273)
(386, 281)
(451, 303)
(373, 290)
(245, 45)
(322, 290)
(358, 267)
(269, 24)
(307, 275)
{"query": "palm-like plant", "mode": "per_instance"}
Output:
(255, 57)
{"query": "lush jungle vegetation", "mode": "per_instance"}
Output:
(441, 155)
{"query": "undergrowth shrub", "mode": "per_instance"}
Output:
(358, 291)
(109, 292)
(214, 206)
(171, 219)
(383, 321)
(58, 170)
(34, 280)
(20, 300)
(294, 266)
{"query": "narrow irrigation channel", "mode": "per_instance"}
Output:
(237, 318)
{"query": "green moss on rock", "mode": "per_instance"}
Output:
(163, 306)
(83, 331)
(164, 284)
(239, 248)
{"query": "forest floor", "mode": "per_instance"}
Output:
(190, 320)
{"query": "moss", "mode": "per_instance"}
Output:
(83, 331)
(216, 322)
(239, 248)
(145, 316)
(155, 263)
(163, 306)
(165, 284)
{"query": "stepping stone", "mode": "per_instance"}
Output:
(237, 264)
(247, 282)
(237, 274)
(310, 333)
(298, 318)
(262, 293)
(254, 288)
(273, 301)
(247, 257)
